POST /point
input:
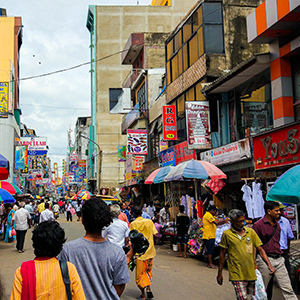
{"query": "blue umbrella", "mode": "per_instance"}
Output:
(287, 187)
(3, 161)
(6, 196)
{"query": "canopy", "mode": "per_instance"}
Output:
(158, 175)
(10, 187)
(286, 188)
(3, 161)
(6, 197)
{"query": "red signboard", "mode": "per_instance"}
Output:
(82, 163)
(169, 122)
(278, 148)
(182, 153)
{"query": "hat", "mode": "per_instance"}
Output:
(281, 206)
(212, 207)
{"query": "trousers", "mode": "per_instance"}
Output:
(281, 276)
(20, 239)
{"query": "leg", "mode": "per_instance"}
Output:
(287, 262)
(210, 246)
(22, 240)
(185, 240)
(240, 288)
(149, 275)
(179, 248)
(185, 248)
(263, 268)
(143, 275)
(18, 239)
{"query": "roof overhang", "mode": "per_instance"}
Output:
(132, 49)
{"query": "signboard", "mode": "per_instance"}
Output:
(197, 124)
(137, 141)
(277, 148)
(36, 145)
(163, 146)
(169, 122)
(229, 153)
(82, 163)
(137, 164)
(168, 157)
(73, 156)
(4, 94)
(182, 153)
(121, 153)
(21, 157)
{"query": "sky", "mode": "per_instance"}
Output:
(55, 37)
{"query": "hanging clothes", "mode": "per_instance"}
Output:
(258, 200)
(247, 197)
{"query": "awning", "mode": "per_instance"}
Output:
(238, 75)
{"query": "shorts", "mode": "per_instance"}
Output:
(210, 246)
(243, 288)
(183, 239)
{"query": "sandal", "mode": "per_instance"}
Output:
(178, 255)
(150, 295)
(212, 267)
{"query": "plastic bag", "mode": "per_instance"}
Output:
(13, 232)
(260, 291)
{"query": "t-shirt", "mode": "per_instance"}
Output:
(46, 215)
(21, 218)
(183, 223)
(240, 253)
(41, 207)
(100, 266)
(209, 228)
(151, 210)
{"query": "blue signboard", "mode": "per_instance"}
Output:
(37, 152)
(168, 157)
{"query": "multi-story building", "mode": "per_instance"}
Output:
(110, 27)
(11, 41)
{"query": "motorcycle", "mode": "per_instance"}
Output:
(56, 215)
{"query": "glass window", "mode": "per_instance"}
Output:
(296, 85)
(193, 49)
(187, 31)
(168, 73)
(180, 62)
(181, 128)
(199, 95)
(141, 97)
(197, 19)
(212, 12)
(114, 94)
(178, 40)
(185, 57)
(180, 105)
(174, 66)
(214, 40)
(170, 49)
(200, 41)
(190, 94)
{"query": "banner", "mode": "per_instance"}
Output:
(137, 164)
(82, 163)
(21, 157)
(137, 141)
(197, 124)
(182, 153)
(4, 94)
(36, 145)
(121, 153)
(163, 146)
(169, 122)
(168, 157)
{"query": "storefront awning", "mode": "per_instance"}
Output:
(238, 75)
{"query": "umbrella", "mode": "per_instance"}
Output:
(37, 197)
(158, 175)
(86, 197)
(3, 161)
(6, 197)
(195, 169)
(85, 194)
(287, 187)
(10, 187)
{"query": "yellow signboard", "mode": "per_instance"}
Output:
(4, 92)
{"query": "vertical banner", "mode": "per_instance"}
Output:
(4, 95)
(197, 123)
(21, 157)
(137, 141)
(169, 122)
(121, 153)
(137, 164)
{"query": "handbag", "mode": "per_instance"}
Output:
(260, 291)
(13, 232)
(72, 211)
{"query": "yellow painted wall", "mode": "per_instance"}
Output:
(7, 37)
(161, 3)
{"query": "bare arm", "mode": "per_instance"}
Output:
(220, 222)
(221, 265)
(264, 256)
(119, 288)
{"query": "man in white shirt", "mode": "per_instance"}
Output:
(151, 210)
(20, 222)
(46, 214)
(164, 214)
(117, 232)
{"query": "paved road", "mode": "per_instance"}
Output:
(174, 278)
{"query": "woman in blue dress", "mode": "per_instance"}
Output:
(10, 214)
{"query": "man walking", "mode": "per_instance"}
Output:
(240, 243)
(20, 221)
(151, 210)
(182, 224)
(269, 231)
(144, 263)
(46, 214)
(101, 265)
(209, 232)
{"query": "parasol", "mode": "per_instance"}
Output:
(6, 197)
(10, 187)
(85, 195)
(158, 175)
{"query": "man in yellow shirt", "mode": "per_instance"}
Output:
(144, 263)
(41, 206)
(209, 232)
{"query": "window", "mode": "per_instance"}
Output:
(296, 85)
(214, 41)
(168, 73)
(180, 62)
(113, 97)
(185, 57)
(186, 31)
(190, 94)
(169, 49)
(174, 66)
(178, 40)
(197, 19)
(141, 98)
(193, 49)
(200, 41)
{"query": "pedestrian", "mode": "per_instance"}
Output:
(151, 210)
(158, 237)
(117, 232)
(68, 211)
(41, 206)
(210, 224)
(78, 210)
(269, 231)
(164, 215)
(20, 221)
(29, 208)
(48, 238)
(240, 243)
(144, 263)
(47, 214)
(10, 214)
(145, 215)
(125, 210)
(182, 224)
(101, 265)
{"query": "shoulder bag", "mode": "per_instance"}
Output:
(66, 278)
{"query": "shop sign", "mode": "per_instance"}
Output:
(163, 146)
(21, 157)
(197, 124)
(128, 176)
(82, 163)
(4, 94)
(137, 141)
(137, 164)
(182, 153)
(73, 156)
(169, 122)
(121, 153)
(36, 145)
(277, 148)
(128, 164)
(229, 153)
(168, 157)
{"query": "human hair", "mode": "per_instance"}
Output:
(48, 239)
(137, 211)
(95, 215)
(235, 213)
(181, 208)
(46, 205)
(115, 210)
(151, 203)
(22, 204)
(8, 205)
(270, 205)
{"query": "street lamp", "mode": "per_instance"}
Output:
(99, 160)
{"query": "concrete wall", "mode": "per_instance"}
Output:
(114, 26)
(154, 85)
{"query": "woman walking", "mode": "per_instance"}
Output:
(10, 213)
(68, 210)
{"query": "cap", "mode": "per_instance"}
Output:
(212, 207)
(281, 206)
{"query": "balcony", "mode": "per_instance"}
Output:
(132, 49)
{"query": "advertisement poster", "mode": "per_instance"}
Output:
(182, 153)
(21, 157)
(169, 122)
(36, 145)
(168, 157)
(163, 146)
(137, 164)
(137, 141)
(197, 123)
(121, 153)
(82, 163)
(4, 94)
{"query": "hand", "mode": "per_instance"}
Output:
(220, 279)
(272, 270)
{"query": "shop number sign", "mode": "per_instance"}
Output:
(277, 148)
(169, 122)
